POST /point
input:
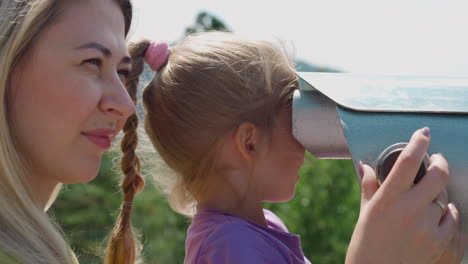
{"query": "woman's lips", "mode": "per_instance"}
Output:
(101, 141)
(100, 137)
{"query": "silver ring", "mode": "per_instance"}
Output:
(442, 206)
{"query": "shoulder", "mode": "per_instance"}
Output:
(237, 241)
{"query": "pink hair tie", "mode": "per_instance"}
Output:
(157, 54)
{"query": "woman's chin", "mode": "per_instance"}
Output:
(80, 177)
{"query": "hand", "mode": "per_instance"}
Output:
(399, 222)
(454, 252)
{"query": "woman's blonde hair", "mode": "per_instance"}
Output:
(211, 83)
(26, 232)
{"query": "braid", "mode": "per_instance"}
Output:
(123, 248)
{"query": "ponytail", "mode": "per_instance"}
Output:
(123, 247)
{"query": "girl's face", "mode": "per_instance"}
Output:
(278, 168)
(67, 94)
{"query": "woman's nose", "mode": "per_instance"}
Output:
(117, 101)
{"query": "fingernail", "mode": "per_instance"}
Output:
(426, 131)
(361, 170)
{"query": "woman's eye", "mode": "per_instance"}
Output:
(96, 62)
(123, 73)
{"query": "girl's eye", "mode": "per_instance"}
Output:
(96, 62)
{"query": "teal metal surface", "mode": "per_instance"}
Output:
(368, 134)
(358, 117)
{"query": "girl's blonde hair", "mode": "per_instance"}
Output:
(26, 232)
(211, 83)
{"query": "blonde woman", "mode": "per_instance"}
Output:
(63, 68)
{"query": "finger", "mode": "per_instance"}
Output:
(439, 208)
(454, 251)
(401, 177)
(443, 196)
(369, 185)
(435, 180)
(457, 246)
(449, 224)
(455, 243)
(462, 243)
(438, 211)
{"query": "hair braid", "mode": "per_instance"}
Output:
(123, 248)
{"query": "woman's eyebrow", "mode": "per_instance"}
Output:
(97, 46)
(103, 50)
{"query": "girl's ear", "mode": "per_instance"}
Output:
(246, 140)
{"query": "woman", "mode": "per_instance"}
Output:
(64, 64)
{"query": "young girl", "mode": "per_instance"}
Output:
(219, 113)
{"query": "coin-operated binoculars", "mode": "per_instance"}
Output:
(370, 119)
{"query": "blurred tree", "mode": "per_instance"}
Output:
(206, 22)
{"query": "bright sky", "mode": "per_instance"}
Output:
(421, 37)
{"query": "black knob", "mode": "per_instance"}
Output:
(388, 158)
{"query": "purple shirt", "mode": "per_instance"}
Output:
(215, 237)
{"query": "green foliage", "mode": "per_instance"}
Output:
(323, 212)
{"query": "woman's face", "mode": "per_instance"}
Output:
(68, 98)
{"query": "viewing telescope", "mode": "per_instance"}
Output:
(370, 118)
